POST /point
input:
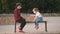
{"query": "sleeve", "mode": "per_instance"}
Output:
(37, 14)
(15, 14)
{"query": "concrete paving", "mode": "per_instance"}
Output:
(53, 24)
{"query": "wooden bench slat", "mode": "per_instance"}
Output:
(33, 22)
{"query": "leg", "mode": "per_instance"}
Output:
(15, 27)
(37, 22)
(46, 26)
(36, 25)
(23, 23)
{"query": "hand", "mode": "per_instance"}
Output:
(33, 20)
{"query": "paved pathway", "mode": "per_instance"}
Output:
(53, 27)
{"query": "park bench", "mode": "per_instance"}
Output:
(32, 22)
(29, 20)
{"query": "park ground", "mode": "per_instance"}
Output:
(53, 26)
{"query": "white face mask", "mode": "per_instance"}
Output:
(34, 11)
(19, 7)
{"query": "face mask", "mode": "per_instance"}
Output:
(34, 12)
(19, 7)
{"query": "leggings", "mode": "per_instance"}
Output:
(22, 21)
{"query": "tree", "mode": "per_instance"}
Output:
(50, 6)
(4, 5)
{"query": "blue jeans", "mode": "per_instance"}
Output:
(38, 20)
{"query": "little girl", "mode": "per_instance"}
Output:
(38, 17)
(18, 18)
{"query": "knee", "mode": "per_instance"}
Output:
(24, 21)
(36, 21)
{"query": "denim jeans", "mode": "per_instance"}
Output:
(38, 20)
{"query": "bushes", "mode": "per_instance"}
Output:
(27, 5)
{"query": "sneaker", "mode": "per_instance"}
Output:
(20, 30)
(36, 27)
